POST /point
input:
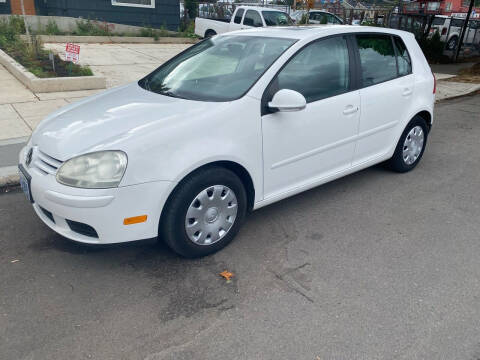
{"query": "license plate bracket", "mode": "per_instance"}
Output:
(25, 182)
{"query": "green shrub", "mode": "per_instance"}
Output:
(33, 56)
(91, 28)
(52, 28)
(433, 48)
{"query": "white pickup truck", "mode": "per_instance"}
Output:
(244, 17)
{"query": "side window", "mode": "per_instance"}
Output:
(377, 58)
(318, 71)
(238, 16)
(403, 59)
(253, 18)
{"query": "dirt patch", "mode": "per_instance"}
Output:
(469, 75)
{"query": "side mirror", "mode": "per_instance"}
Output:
(287, 100)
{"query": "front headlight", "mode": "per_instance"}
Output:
(97, 170)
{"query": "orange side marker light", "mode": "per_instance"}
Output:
(135, 220)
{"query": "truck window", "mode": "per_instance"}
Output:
(457, 22)
(274, 18)
(438, 21)
(252, 18)
(238, 16)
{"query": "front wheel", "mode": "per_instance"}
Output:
(411, 146)
(204, 213)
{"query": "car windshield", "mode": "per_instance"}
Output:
(222, 68)
(275, 18)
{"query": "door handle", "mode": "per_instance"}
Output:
(407, 92)
(350, 110)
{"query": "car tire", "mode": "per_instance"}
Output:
(210, 33)
(410, 146)
(203, 205)
(452, 43)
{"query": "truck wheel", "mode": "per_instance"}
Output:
(452, 43)
(210, 33)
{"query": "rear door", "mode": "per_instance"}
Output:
(387, 86)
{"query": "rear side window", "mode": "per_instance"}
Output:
(318, 71)
(403, 59)
(238, 16)
(377, 58)
(252, 18)
(438, 21)
(457, 22)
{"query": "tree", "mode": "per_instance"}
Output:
(191, 8)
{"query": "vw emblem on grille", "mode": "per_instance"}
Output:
(28, 159)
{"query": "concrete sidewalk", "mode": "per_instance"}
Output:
(21, 110)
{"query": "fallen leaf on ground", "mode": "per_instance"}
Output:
(14, 261)
(226, 274)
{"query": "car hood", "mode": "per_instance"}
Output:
(104, 121)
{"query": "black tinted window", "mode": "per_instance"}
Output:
(238, 16)
(318, 71)
(438, 21)
(252, 18)
(457, 22)
(377, 58)
(404, 62)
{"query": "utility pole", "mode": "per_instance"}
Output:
(464, 30)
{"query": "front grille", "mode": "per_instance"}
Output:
(47, 214)
(82, 228)
(45, 163)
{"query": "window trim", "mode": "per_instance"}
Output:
(120, 3)
(358, 69)
(352, 79)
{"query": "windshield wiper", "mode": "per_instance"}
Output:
(169, 93)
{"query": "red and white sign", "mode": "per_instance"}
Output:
(72, 52)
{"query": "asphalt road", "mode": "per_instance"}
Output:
(376, 265)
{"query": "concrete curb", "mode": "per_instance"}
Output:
(9, 176)
(113, 39)
(39, 85)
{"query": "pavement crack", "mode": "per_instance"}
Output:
(292, 286)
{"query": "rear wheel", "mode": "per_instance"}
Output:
(452, 43)
(204, 213)
(210, 33)
(411, 146)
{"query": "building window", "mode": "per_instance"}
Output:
(433, 6)
(135, 3)
(465, 3)
(448, 6)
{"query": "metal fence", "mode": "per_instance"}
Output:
(422, 25)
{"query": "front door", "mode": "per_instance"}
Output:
(301, 148)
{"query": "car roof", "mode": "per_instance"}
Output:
(312, 31)
(259, 8)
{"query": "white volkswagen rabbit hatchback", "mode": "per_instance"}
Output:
(231, 124)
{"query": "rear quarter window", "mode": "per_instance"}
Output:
(403, 58)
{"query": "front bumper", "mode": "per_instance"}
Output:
(63, 208)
